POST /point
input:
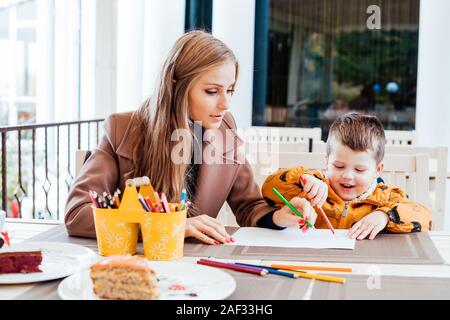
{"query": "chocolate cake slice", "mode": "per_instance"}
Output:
(20, 262)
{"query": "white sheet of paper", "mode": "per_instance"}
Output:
(293, 238)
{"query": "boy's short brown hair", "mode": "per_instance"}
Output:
(359, 132)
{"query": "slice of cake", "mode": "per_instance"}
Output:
(124, 278)
(20, 262)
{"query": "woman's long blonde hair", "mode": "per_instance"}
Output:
(192, 54)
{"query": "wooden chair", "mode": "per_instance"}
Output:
(281, 135)
(319, 147)
(438, 176)
(252, 148)
(80, 158)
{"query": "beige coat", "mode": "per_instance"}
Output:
(111, 164)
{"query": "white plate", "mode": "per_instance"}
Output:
(177, 281)
(59, 260)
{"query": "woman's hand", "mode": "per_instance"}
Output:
(207, 229)
(316, 190)
(285, 217)
(371, 224)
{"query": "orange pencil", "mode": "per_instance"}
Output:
(158, 200)
(316, 268)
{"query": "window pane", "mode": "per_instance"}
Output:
(323, 60)
(26, 10)
(4, 21)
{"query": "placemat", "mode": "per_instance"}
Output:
(410, 248)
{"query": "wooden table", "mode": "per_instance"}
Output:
(48, 290)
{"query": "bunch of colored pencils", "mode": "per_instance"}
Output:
(280, 270)
(161, 204)
(106, 200)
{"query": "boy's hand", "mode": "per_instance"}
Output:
(285, 217)
(371, 224)
(316, 190)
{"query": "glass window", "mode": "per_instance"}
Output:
(26, 58)
(323, 58)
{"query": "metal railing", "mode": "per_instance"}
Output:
(20, 191)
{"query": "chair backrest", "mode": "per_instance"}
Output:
(438, 177)
(254, 147)
(319, 147)
(400, 137)
(280, 134)
(80, 158)
(393, 138)
(409, 172)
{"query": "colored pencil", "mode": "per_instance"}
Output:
(116, 199)
(157, 199)
(315, 268)
(105, 196)
(165, 203)
(320, 277)
(149, 204)
(183, 195)
(101, 201)
(291, 206)
(324, 217)
(231, 266)
(270, 270)
(94, 202)
(97, 199)
(142, 201)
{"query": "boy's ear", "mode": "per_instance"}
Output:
(380, 168)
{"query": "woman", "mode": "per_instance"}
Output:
(196, 85)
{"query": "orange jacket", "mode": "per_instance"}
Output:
(404, 215)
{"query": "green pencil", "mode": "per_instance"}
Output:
(291, 206)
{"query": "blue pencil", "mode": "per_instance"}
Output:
(183, 195)
(142, 201)
(271, 270)
(183, 198)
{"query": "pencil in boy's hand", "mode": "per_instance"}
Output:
(291, 206)
(324, 217)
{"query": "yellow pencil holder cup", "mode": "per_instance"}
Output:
(114, 234)
(163, 235)
(117, 229)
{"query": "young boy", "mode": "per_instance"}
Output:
(352, 195)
